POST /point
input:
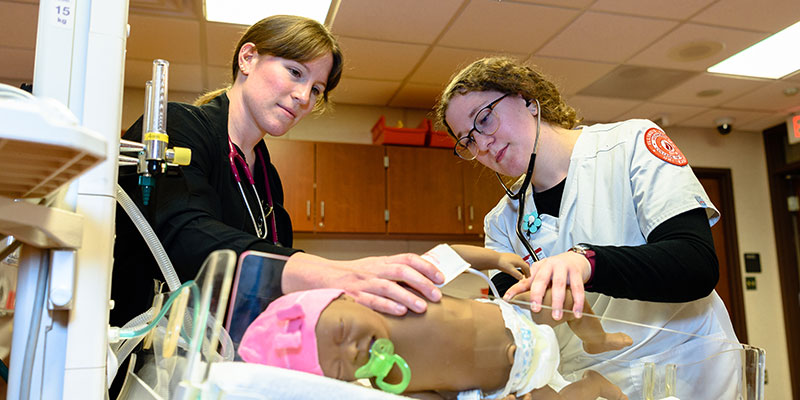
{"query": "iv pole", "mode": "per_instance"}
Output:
(80, 54)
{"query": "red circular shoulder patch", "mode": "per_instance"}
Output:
(663, 147)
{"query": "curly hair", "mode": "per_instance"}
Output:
(507, 75)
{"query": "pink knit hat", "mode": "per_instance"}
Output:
(284, 335)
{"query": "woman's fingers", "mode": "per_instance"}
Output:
(519, 287)
(558, 273)
(577, 290)
(541, 281)
(414, 271)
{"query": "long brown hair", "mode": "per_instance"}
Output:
(290, 37)
(507, 75)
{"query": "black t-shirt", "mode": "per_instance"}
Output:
(193, 210)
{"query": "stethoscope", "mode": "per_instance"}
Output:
(234, 156)
(520, 195)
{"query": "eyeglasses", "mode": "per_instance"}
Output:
(486, 123)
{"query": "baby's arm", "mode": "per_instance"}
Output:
(482, 258)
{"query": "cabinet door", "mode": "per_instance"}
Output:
(482, 191)
(295, 163)
(425, 191)
(351, 188)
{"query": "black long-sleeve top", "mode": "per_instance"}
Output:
(677, 264)
(194, 210)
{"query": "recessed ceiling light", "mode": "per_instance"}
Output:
(248, 12)
(773, 57)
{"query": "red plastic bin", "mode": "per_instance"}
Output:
(438, 138)
(382, 134)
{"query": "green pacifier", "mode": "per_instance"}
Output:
(381, 360)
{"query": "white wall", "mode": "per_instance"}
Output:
(741, 152)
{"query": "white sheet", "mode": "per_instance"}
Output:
(238, 380)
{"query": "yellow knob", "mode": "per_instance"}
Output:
(183, 155)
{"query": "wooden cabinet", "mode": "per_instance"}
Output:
(482, 191)
(331, 187)
(425, 191)
(351, 194)
(295, 163)
(346, 188)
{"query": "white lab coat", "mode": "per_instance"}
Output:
(616, 192)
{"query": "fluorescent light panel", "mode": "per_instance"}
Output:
(248, 12)
(773, 57)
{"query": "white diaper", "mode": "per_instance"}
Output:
(536, 358)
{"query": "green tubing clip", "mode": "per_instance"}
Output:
(381, 360)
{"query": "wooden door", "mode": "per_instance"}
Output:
(482, 191)
(425, 191)
(351, 194)
(295, 163)
(718, 186)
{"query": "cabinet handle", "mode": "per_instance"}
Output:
(308, 209)
(321, 214)
(471, 213)
(459, 213)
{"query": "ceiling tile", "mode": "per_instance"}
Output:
(362, 91)
(740, 118)
(770, 16)
(182, 77)
(371, 59)
(767, 98)
(695, 47)
(221, 41)
(506, 27)
(767, 121)
(17, 64)
(635, 82)
(571, 75)
(18, 25)
(148, 39)
(794, 77)
(672, 114)
(416, 96)
(413, 21)
(443, 62)
(692, 91)
(600, 109)
(673, 9)
(562, 3)
(588, 37)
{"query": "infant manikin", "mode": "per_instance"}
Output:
(488, 349)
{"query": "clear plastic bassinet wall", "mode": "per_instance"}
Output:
(191, 354)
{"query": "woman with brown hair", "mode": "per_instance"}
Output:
(230, 197)
(611, 208)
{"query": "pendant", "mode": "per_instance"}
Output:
(531, 223)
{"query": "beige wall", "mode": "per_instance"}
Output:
(742, 152)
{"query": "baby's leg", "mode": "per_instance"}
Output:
(588, 329)
(592, 386)
(595, 339)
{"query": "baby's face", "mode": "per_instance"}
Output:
(345, 333)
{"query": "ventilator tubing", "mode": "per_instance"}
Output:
(150, 238)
